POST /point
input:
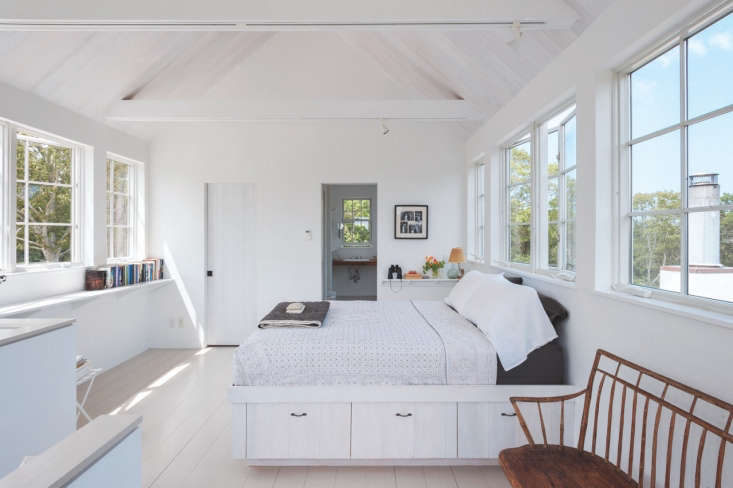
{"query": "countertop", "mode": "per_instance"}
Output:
(350, 262)
(14, 330)
(63, 462)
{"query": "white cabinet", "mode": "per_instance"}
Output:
(403, 430)
(484, 429)
(298, 430)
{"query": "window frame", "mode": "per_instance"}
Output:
(8, 221)
(545, 178)
(623, 212)
(536, 134)
(524, 136)
(476, 238)
(135, 195)
(370, 242)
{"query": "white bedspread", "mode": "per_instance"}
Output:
(367, 343)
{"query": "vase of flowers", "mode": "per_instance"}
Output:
(433, 265)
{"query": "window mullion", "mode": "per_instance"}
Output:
(26, 206)
(562, 200)
(111, 199)
(684, 164)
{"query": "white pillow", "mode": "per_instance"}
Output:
(512, 318)
(464, 289)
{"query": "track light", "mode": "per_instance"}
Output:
(385, 129)
(517, 31)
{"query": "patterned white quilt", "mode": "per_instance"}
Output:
(371, 343)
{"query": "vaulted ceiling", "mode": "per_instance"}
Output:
(92, 71)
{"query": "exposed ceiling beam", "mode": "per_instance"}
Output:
(279, 15)
(284, 110)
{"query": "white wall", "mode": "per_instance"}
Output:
(288, 163)
(38, 382)
(691, 350)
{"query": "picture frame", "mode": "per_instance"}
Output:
(410, 221)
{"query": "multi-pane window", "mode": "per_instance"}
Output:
(519, 200)
(120, 209)
(678, 166)
(560, 162)
(476, 236)
(357, 222)
(45, 200)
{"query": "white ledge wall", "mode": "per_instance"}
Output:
(416, 163)
(695, 352)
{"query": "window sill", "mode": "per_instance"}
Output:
(75, 297)
(29, 270)
(524, 273)
(720, 319)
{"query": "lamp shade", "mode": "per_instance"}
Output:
(457, 256)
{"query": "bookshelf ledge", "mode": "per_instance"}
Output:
(79, 296)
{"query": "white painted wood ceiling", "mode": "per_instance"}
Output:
(90, 71)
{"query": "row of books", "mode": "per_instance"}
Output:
(124, 274)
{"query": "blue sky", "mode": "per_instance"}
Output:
(655, 105)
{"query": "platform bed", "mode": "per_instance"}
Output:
(394, 425)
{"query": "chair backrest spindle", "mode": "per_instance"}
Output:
(635, 387)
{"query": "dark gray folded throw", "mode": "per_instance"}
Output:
(313, 316)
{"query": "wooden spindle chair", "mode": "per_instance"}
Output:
(636, 448)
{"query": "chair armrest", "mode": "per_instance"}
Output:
(539, 401)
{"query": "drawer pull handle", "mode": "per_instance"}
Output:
(504, 414)
(293, 414)
(403, 414)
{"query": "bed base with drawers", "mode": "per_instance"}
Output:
(396, 425)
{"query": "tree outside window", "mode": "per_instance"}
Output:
(44, 201)
(519, 193)
(357, 222)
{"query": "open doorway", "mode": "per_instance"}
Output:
(350, 242)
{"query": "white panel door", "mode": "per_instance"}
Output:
(230, 258)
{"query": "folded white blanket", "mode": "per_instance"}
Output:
(512, 317)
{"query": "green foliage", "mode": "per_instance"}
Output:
(357, 215)
(520, 205)
(46, 203)
(656, 239)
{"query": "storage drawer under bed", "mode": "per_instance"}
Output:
(403, 431)
(298, 430)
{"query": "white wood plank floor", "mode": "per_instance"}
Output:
(186, 431)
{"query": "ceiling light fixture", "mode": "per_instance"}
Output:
(517, 29)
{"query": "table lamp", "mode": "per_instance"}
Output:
(457, 257)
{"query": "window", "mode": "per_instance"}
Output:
(477, 208)
(120, 209)
(46, 188)
(356, 222)
(559, 179)
(539, 197)
(677, 166)
(519, 200)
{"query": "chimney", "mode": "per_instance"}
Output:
(704, 227)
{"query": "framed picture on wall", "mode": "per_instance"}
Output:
(410, 221)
